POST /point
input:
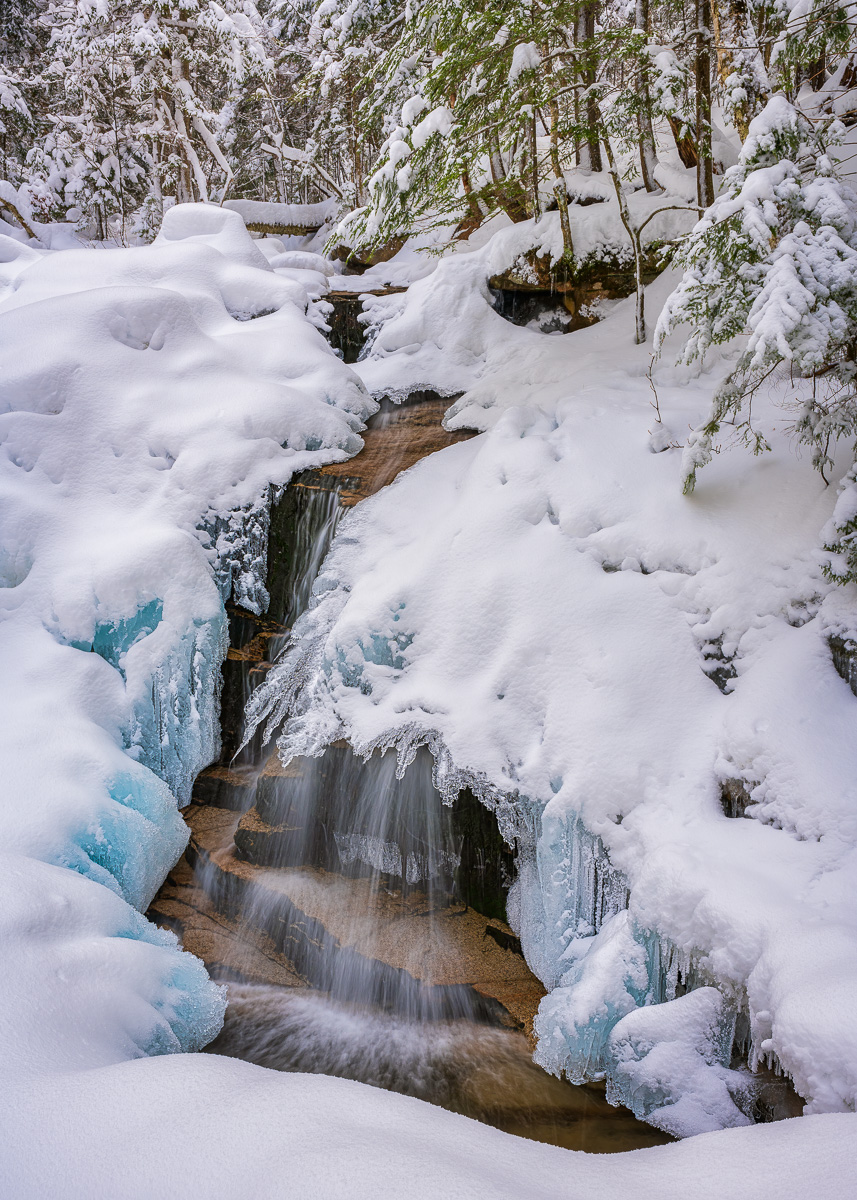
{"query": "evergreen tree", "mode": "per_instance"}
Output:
(776, 256)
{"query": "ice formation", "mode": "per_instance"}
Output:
(152, 400)
(604, 660)
(669, 1063)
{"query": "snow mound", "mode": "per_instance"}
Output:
(669, 1063)
(271, 215)
(146, 422)
(210, 226)
(262, 1135)
(441, 336)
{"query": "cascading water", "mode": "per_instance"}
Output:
(359, 873)
(366, 913)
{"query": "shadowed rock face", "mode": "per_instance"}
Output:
(534, 288)
(319, 812)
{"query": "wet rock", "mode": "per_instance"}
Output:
(735, 799)
(358, 259)
(485, 1073)
(228, 949)
(225, 787)
(347, 332)
(534, 286)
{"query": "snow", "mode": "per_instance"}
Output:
(439, 120)
(669, 1063)
(145, 420)
(269, 212)
(540, 603)
(525, 57)
(545, 609)
(212, 1127)
(459, 286)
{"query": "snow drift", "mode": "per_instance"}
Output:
(150, 400)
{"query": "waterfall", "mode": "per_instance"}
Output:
(364, 901)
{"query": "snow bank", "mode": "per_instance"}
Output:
(598, 656)
(212, 1127)
(431, 351)
(149, 400)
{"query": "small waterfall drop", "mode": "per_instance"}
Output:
(358, 922)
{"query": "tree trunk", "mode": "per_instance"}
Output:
(648, 154)
(685, 143)
(474, 217)
(634, 235)
(559, 188)
(508, 193)
(704, 165)
(590, 152)
(730, 26)
(13, 211)
(534, 166)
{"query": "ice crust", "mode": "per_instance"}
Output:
(152, 401)
(597, 655)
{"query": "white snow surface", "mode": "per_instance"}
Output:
(144, 419)
(427, 354)
(545, 609)
(212, 1128)
(270, 212)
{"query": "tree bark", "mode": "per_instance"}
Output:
(729, 24)
(685, 143)
(12, 210)
(705, 164)
(559, 188)
(648, 153)
(633, 233)
(590, 153)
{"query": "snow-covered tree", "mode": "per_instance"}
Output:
(775, 257)
(485, 109)
(142, 100)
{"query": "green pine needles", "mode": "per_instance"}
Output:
(776, 257)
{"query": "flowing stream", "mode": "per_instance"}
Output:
(359, 922)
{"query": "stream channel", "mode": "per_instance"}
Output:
(359, 923)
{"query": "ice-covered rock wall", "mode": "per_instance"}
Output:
(600, 657)
(151, 400)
